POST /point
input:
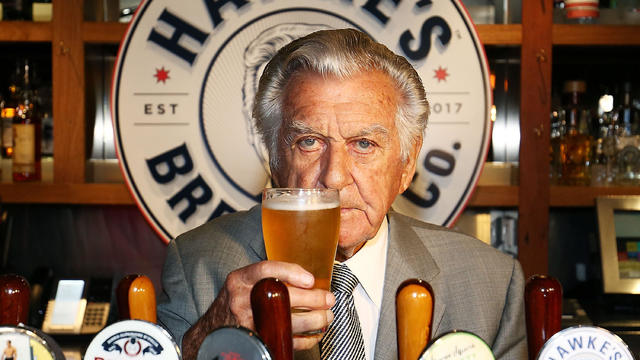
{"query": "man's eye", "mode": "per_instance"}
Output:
(308, 144)
(364, 145)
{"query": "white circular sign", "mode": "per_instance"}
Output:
(585, 342)
(458, 345)
(186, 75)
(133, 339)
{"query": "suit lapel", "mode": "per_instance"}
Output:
(257, 243)
(407, 257)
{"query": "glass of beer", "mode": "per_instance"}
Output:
(302, 226)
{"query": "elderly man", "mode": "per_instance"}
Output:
(338, 110)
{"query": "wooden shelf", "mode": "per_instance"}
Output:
(584, 196)
(595, 35)
(25, 31)
(113, 32)
(49, 193)
(103, 32)
(118, 194)
(491, 34)
(494, 196)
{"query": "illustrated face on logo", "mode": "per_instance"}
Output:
(186, 77)
(256, 57)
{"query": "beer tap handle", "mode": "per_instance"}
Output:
(543, 303)
(414, 314)
(14, 300)
(142, 299)
(122, 295)
(272, 317)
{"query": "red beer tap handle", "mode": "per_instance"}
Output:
(272, 317)
(142, 299)
(122, 295)
(543, 305)
(414, 315)
(14, 300)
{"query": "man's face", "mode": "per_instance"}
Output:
(341, 134)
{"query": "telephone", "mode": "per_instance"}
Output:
(78, 306)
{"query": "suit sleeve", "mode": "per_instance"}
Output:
(176, 307)
(511, 340)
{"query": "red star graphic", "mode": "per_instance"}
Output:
(441, 74)
(161, 75)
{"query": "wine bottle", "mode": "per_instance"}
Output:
(27, 131)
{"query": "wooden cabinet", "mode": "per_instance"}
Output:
(68, 35)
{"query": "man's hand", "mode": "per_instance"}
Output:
(232, 306)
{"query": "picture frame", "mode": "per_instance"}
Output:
(619, 230)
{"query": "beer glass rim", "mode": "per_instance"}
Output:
(302, 196)
(299, 190)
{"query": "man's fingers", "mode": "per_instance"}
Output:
(290, 273)
(310, 299)
(303, 322)
(306, 342)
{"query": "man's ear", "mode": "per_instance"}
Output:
(409, 168)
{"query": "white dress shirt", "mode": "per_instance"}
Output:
(369, 265)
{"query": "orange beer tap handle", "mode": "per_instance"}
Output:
(122, 296)
(543, 305)
(142, 299)
(414, 314)
(14, 300)
(272, 317)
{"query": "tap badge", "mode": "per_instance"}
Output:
(186, 76)
(132, 339)
(585, 342)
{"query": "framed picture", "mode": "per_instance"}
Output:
(619, 226)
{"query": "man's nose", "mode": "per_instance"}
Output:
(336, 172)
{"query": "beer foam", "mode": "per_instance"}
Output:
(292, 204)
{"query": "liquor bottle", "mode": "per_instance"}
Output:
(575, 146)
(27, 131)
(7, 114)
(628, 144)
(41, 10)
(558, 129)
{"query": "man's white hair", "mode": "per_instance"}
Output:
(340, 53)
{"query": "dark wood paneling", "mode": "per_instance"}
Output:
(68, 92)
(535, 106)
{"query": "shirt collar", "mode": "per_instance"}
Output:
(368, 264)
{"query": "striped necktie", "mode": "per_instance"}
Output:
(343, 339)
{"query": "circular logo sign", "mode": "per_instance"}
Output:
(458, 345)
(186, 76)
(230, 343)
(132, 339)
(585, 342)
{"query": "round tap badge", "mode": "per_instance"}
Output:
(585, 342)
(457, 345)
(133, 339)
(233, 343)
(187, 73)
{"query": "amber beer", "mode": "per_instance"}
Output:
(301, 226)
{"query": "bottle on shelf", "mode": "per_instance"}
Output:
(558, 129)
(8, 110)
(628, 143)
(575, 145)
(27, 131)
(603, 167)
(41, 10)
(581, 11)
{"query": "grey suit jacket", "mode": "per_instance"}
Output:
(476, 287)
